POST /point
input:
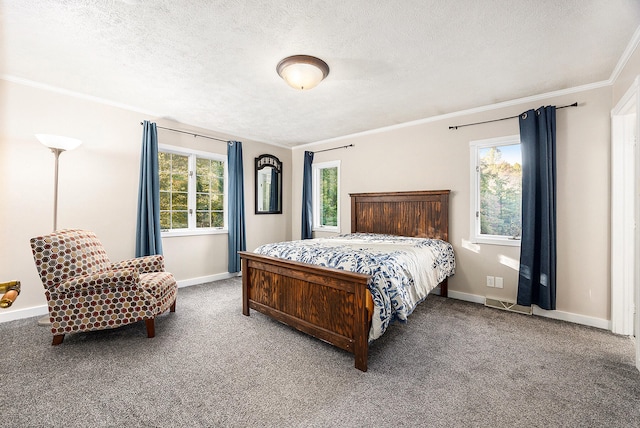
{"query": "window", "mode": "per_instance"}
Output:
(192, 191)
(326, 196)
(496, 191)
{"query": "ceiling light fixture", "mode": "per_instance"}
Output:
(302, 71)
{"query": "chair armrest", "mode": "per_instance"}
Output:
(144, 264)
(101, 280)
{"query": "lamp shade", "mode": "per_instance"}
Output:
(58, 141)
(302, 72)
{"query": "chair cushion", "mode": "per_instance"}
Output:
(156, 282)
(162, 286)
(68, 253)
(107, 280)
(143, 264)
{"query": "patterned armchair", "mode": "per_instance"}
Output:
(86, 292)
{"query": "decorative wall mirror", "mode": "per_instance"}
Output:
(268, 185)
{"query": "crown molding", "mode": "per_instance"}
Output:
(104, 101)
(629, 50)
(489, 107)
(74, 94)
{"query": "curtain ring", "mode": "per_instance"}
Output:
(538, 112)
(524, 115)
(230, 143)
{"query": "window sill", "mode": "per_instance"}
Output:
(189, 232)
(328, 229)
(506, 242)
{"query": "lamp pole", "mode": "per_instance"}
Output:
(57, 144)
(56, 153)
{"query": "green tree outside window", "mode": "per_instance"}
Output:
(178, 201)
(329, 196)
(501, 191)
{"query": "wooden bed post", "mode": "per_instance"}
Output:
(361, 330)
(245, 287)
(444, 288)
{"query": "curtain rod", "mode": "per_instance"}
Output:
(335, 148)
(504, 118)
(190, 133)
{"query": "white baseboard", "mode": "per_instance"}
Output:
(465, 296)
(574, 318)
(35, 311)
(556, 315)
(205, 279)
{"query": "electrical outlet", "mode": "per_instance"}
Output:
(499, 282)
(491, 281)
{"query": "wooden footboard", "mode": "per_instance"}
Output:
(327, 303)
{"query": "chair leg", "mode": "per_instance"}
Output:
(151, 327)
(57, 339)
(173, 306)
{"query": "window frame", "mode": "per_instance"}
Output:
(192, 155)
(316, 169)
(475, 236)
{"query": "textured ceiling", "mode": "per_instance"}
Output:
(212, 63)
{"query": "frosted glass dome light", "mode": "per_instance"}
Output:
(302, 72)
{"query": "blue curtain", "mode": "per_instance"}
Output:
(537, 278)
(237, 237)
(148, 238)
(307, 190)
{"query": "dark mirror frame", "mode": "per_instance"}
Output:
(273, 163)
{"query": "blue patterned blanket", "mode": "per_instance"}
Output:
(403, 270)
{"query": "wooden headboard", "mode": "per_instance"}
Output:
(415, 213)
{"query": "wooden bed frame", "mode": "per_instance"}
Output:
(330, 304)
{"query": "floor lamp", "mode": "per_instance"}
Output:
(57, 144)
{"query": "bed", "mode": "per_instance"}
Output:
(332, 304)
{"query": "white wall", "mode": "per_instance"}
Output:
(425, 156)
(98, 186)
